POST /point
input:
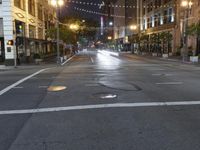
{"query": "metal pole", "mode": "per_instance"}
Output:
(58, 35)
(14, 44)
(185, 37)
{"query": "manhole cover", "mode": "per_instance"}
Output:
(56, 88)
(105, 95)
(119, 85)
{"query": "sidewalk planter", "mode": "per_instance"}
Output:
(65, 57)
(170, 54)
(194, 59)
(144, 53)
(154, 54)
(38, 61)
(165, 55)
(61, 59)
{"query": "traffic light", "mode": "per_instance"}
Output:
(10, 42)
(19, 27)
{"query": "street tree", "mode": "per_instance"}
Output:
(194, 30)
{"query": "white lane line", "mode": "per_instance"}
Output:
(169, 75)
(99, 106)
(18, 87)
(170, 83)
(156, 69)
(21, 81)
(67, 60)
(159, 74)
(43, 87)
(91, 85)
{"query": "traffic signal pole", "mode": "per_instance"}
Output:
(14, 44)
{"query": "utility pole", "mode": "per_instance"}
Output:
(57, 4)
(58, 35)
(14, 44)
(188, 5)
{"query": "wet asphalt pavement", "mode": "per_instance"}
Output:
(93, 78)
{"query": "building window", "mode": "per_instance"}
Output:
(31, 7)
(20, 4)
(166, 1)
(165, 20)
(160, 21)
(156, 20)
(152, 21)
(40, 12)
(171, 15)
(158, 3)
(1, 27)
(144, 24)
(32, 31)
(40, 33)
(150, 7)
(0, 1)
(148, 23)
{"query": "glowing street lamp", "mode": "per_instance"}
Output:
(74, 27)
(186, 3)
(110, 23)
(133, 27)
(57, 4)
(109, 37)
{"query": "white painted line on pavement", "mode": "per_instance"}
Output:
(91, 85)
(67, 60)
(99, 106)
(43, 87)
(156, 69)
(159, 74)
(21, 81)
(170, 83)
(18, 87)
(168, 74)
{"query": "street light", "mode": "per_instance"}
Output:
(110, 23)
(187, 4)
(133, 27)
(109, 37)
(57, 4)
(74, 27)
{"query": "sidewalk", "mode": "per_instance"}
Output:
(50, 62)
(4, 68)
(171, 58)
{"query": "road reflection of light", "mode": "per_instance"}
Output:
(105, 61)
(108, 53)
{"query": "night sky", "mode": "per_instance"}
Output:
(69, 10)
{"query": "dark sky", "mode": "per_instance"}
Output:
(70, 11)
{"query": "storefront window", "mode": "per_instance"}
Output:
(32, 31)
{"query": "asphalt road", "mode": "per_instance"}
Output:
(111, 102)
